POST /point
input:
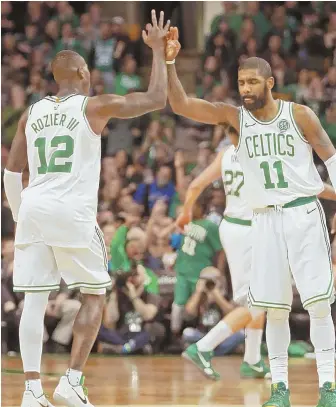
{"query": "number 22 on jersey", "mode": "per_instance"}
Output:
(65, 149)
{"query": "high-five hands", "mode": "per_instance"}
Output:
(173, 46)
(155, 37)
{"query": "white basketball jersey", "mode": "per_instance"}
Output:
(233, 179)
(59, 206)
(276, 159)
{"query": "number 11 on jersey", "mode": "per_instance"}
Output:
(267, 174)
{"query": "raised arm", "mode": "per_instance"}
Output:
(16, 163)
(102, 108)
(197, 186)
(311, 128)
(195, 109)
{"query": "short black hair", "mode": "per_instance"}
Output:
(260, 64)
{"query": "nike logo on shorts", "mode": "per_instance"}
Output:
(82, 400)
(308, 212)
(249, 125)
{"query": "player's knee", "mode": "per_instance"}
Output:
(276, 315)
(319, 309)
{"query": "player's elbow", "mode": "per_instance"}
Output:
(158, 100)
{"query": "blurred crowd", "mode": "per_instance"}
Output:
(148, 162)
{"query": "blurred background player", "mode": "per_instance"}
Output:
(200, 248)
(235, 236)
(57, 233)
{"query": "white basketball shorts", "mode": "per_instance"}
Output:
(236, 241)
(290, 242)
(38, 267)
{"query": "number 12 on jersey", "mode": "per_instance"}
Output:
(66, 152)
(267, 174)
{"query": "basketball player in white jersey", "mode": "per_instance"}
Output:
(236, 236)
(289, 235)
(57, 234)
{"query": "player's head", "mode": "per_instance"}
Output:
(70, 70)
(255, 83)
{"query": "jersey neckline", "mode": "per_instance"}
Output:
(280, 107)
(57, 99)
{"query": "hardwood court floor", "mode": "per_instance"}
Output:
(154, 381)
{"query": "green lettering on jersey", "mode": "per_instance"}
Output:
(54, 119)
(291, 150)
(276, 144)
(248, 139)
(279, 138)
(277, 165)
(255, 145)
(66, 152)
(230, 176)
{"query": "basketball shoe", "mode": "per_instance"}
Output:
(327, 395)
(202, 360)
(72, 396)
(257, 371)
(29, 400)
(279, 397)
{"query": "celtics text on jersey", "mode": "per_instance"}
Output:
(276, 159)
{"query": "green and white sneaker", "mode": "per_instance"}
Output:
(327, 395)
(279, 397)
(202, 360)
(257, 371)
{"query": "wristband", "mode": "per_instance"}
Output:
(170, 62)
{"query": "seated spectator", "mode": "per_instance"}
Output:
(329, 122)
(127, 80)
(68, 40)
(161, 188)
(127, 251)
(131, 319)
(205, 308)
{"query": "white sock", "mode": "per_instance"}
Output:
(74, 376)
(214, 337)
(322, 335)
(278, 339)
(176, 317)
(31, 330)
(35, 386)
(252, 345)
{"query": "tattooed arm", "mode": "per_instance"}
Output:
(195, 109)
(317, 137)
(198, 109)
(313, 131)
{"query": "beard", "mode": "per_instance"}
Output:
(256, 103)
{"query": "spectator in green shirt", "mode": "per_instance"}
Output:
(125, 251)
(68, 41)
(329, 122)
(127, 79)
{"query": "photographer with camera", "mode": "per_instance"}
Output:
(131, 316)
(205, 308)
